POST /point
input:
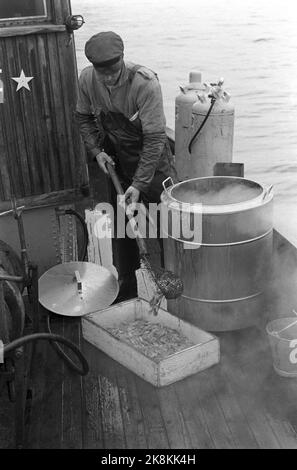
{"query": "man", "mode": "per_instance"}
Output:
(121, 118)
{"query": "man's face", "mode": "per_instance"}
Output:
(109, 75)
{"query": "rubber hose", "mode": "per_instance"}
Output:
(213, 100)
(17, 343)
(85, 232)
(60, 351)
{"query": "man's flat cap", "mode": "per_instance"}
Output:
(103, 48)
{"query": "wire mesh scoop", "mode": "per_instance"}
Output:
(167, 282)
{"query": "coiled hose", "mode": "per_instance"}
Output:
(17, 343)
(63, 355)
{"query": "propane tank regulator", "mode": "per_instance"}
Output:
(204, 127)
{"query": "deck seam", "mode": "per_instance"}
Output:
(240, 408)
(121, 407)
(204, 423)
(267, 420)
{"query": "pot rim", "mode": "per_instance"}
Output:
(220, 208)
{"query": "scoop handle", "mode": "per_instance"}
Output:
(118, 187)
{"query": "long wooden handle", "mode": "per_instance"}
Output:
(118, 187)
(115, 179)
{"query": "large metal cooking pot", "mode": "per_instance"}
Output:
(225, 271)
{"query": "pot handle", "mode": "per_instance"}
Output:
(164, 183)
(267, 192)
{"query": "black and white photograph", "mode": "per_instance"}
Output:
(148, 228)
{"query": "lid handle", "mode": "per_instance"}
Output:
(164, 183)
(78, 282)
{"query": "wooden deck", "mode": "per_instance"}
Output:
(240, 403)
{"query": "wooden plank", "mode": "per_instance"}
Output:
(193, 415)
(72, 395)
(272, 400)
(67, 66)
(5, 189)
(45, 425)
(112, 423)
(9, 129)
(155, 429)
(7, 425)
(259, 390)
(60, 130)
(69, 98)
(48, 149)
(93, 431)
(36, 104)
(174, 421)
(212, 412)
(24, 52)
(285, 432)
(66, 7)
(18, 122)
(13, 31)
(130, 408)
(66, 196)
(55, 103)
(104, 424)
(61, 9)
(244, 391)
(234, 416)
(1, 180)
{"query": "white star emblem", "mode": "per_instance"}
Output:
(22, 81)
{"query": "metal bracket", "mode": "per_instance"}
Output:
(169, 179)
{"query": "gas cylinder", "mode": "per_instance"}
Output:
(204, 128)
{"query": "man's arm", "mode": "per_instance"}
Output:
(91, 133)
(151, 114)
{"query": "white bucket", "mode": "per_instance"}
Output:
(283, 345)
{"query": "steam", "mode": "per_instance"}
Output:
(233, 193)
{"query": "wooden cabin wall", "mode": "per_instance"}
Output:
(39, 139)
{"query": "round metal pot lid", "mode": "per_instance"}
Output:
(77, 288)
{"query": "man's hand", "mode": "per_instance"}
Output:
(132, 195)
(102, 158)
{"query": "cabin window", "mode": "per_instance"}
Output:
(22, 9)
